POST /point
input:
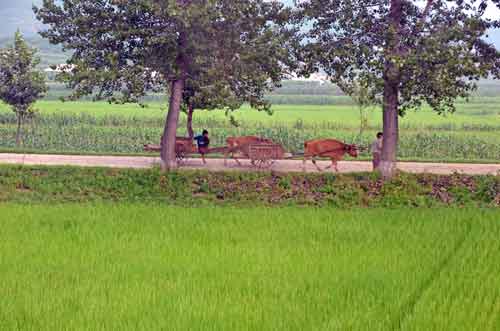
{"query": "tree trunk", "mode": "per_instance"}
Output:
(363, 121)
(391, 130)
(168, 157)
(190, 112)
(391, 92)
(19, 128)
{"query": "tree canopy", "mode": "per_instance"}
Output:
(21, 82)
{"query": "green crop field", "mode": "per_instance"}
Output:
(480, 111)
(150, 267)
(471, 134)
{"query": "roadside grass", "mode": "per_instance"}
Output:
(150, 267)
(39, 184)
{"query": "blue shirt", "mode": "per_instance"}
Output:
(202, 141)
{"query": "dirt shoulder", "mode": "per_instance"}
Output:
(218, 164)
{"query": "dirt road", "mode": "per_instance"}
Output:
(218, 164)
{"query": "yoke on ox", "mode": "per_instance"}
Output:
(331, 148)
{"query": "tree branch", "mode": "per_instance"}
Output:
(425, 14)
(419, 27)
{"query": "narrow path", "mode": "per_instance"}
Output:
(218, 164)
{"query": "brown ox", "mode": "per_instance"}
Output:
(241, 145)
(182, 144)
(331, 148)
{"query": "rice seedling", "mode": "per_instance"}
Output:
(130, 267)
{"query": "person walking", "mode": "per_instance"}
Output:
(376, 150)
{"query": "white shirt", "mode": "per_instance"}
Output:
(376, 147)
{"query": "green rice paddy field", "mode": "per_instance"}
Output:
(472, 134)
(152, 267)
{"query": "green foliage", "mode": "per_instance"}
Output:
(285, 183)
(231, 51)
(487, 189)
(21, 83)
(436, 50)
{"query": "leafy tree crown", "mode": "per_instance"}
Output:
(21, 82)
(438, 50)
(232, 50)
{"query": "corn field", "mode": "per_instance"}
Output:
(85, 133)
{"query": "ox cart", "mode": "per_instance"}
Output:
(265, 155)
(183, 148)
(262, 155)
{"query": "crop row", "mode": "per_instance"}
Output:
(121, 139)
(7, 118)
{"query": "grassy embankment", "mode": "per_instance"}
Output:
(188, 188)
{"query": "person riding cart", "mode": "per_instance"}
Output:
(203, 142)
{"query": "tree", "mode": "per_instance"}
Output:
(207, 92)
(364, 98)
(154, 45)
(215, 86)
(408, 53)
(21, 83)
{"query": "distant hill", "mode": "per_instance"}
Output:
(18, 14)
(49, 54)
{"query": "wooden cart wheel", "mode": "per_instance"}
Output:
(180, 158)
(263, 156)
(268, 163)
(180, 155)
